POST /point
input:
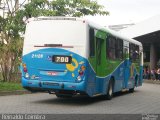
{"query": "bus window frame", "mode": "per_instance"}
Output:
(99, 42)
(119, 48)
(113, 48)
(134, 53)
(92, 40)
(108, 48)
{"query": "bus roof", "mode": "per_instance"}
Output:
(114, 33)
(91, 23)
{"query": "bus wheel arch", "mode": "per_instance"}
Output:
(110, 88)
(113, 80)
(131, 90)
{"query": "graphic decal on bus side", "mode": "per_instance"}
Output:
(133, 71)
(73, 66)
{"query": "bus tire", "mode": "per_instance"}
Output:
(110, 90)
(136, 80)
(131, 90)
(109, 94)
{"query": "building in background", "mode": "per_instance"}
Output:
(147, 32)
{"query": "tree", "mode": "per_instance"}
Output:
(10, 43)
(12, 26)
(75, 8)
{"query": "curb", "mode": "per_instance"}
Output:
(151, 81)
(20, 92)
(17, 92)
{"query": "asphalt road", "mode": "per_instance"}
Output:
(145, 99)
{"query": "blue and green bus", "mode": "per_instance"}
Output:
(69, 56)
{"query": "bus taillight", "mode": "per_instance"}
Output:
(82, 69)
(81, 73)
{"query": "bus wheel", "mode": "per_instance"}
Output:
(131, 90)
(63, 96)
(110, 90)
(109, 94)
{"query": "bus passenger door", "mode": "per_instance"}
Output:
(100, 59)
(141, 68)
(98, 55)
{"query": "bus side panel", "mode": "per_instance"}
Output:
(102, 84)
(141, 76)
(99, 85)
(126, 73)
(133, 77)
(118, 75)
(90, 81)
(95, 85)
(124, 78)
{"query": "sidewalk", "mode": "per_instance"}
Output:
(17, 92)
(151, 81)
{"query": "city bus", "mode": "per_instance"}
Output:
(67, 56)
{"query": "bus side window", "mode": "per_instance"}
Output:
(98, 48)
(141, 58)
(111, 47)
(137, 52)
(91, 42)
(133, 52)
(119, 49)
(125, 52)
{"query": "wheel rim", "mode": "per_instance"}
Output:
(110, 90)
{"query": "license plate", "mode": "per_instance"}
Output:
(50, 84)
(61, 59)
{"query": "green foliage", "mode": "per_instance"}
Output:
(75, 8)
(63, 8)
(12, 27)
(5, 86)
(10, 47)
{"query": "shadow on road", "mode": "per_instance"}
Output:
(76, 100)
(80, 100)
